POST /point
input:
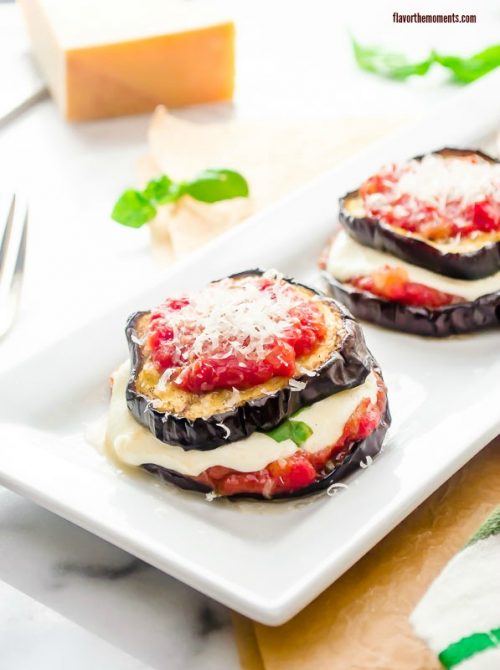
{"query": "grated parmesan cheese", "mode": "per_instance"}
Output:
(211, 496)
(335, 488)
(439, 180)
(305, 371)
(366, 463)
(164, 379)
(233, 317)
(296, 385)
(225, 428)
(235, 397)
(138, 340)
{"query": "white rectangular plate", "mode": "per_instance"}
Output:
(264, 560)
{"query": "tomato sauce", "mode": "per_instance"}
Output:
(383, 201)
(229, 362)
(302, 468)
(392, 283)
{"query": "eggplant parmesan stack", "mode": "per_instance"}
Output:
(419, 248)
(255, 385)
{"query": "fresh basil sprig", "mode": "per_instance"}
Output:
(386, 63)
(135, 208)
(466, 70)
(396, 65)
(297, 431)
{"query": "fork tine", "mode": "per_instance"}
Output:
(12, 260)
(7, 230)
(21, 253)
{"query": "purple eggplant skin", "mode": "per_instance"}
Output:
(371, 232)
(358, 453)
(348, 367)
(467, 317)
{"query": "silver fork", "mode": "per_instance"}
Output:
(12, 257)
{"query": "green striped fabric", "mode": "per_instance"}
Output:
(476, 643)
(490, 527)
(469, 646)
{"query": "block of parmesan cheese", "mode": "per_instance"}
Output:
(106, 58)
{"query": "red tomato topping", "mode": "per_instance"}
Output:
(486, 216)
(392, 283)
(234, 335)
(301, 468)
(442, 214)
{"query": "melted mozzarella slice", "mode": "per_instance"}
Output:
(347, 259)
(131, 444)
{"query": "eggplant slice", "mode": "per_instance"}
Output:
(456, 319)
(347, 366)
(372, 232)
(356, 454)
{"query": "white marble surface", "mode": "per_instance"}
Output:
(68, 599)
(53, 640)
(71, 600)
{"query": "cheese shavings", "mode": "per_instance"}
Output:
(438, 180)
(333, 489)
(164, 379)
(234, 317)
(296, 385)
(225, 428)
(366, 463)
(211, 496)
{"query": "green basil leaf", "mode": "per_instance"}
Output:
(175, 191)
(466, 70)
(133, 209)
(157, 189)
(215, 185)
(396, 65)
(388, 64)
(300, 432)
(297, 431)
(403, 71)
(163, 190)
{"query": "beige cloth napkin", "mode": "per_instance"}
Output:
(361, 621)
(275, 155)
